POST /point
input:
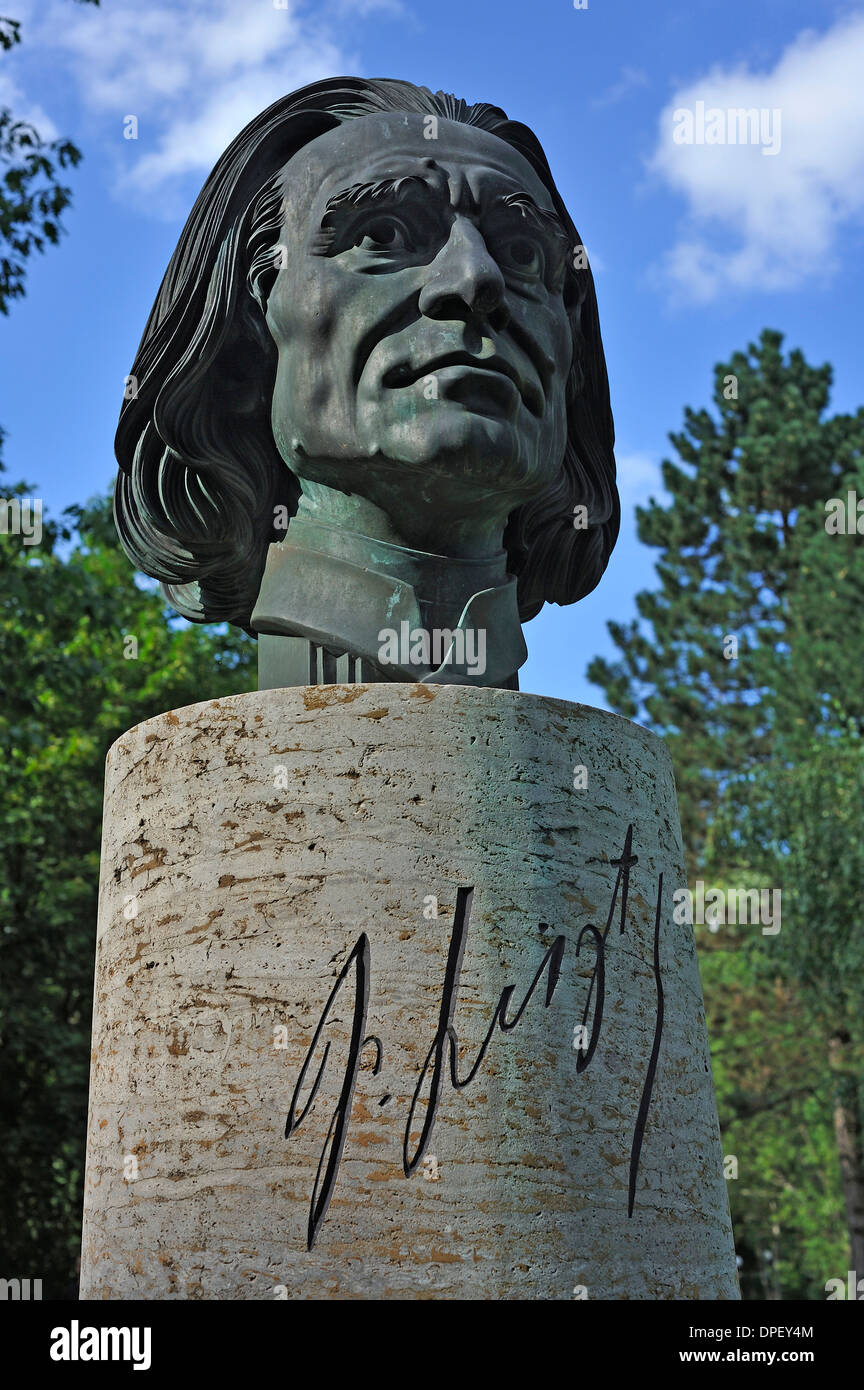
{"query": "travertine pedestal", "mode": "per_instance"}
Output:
(285, 935)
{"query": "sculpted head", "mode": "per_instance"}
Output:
(379, 305)
(422, 336)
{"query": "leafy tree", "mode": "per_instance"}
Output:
(66, 604)
(799, 820)
(32, 196)
(775, 1116)
(72, 684)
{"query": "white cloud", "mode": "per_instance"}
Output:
(757, 222)
(23, 109)
(192, 71)
(639, 477)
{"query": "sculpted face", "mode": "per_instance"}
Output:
(423, 343)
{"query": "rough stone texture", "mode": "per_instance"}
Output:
(248, 843)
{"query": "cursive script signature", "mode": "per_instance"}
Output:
(442, 1059)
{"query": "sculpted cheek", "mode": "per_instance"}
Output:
(322, 296)
(303, 308)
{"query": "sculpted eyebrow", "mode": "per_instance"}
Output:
(359, 196)
(376, 190)
(543, 219)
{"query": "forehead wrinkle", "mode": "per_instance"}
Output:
(458, 176)
(462, 197)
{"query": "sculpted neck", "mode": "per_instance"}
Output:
(353, 528)
(359, 608)
(442, 583)
(342, 597)
(428, 524)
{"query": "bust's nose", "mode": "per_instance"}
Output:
(465, 280)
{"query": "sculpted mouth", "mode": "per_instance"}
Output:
(403, 374)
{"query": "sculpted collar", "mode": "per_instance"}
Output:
(341, 591)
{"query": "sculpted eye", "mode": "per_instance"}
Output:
(383, 234)
(522, 255)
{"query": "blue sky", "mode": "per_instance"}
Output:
(694, 248)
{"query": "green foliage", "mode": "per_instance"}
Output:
(32, 195)
(69, 690)
(798, 820)
(800, 826)
(66, 607)
(730, 543)
(776, 1122)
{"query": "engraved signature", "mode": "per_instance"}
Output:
(442, 1060)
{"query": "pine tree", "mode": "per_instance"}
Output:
(699, 663)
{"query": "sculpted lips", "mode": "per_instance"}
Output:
(405, 374)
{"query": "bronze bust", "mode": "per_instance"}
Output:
(370, 421)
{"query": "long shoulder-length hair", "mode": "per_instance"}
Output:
(201, 479)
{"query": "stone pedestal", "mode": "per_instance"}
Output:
(428, 932)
